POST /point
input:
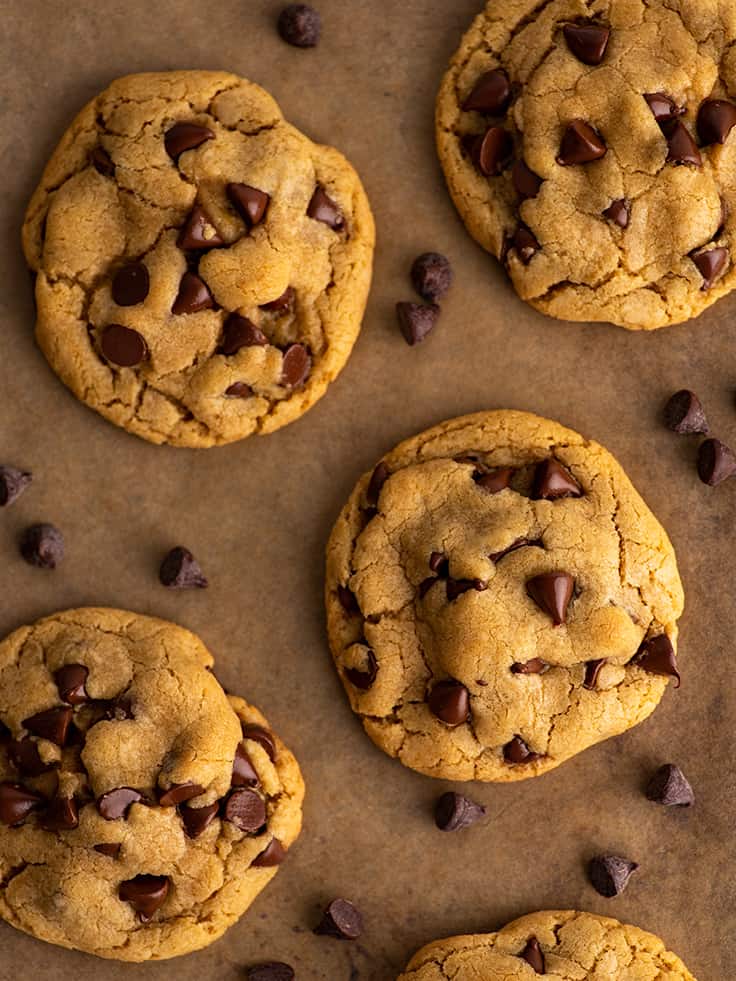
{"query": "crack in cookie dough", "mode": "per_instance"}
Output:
(577, 262)
(122, 761)
(499, 598)
(112, 195)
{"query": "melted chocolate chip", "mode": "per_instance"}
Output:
(239, 332)
(580, 144)
(12, 484)
(657, 656)
(670, 787)
(24, 756)
(17, 802)
(588, 42)
(684, 414)
(281, 303)
(378, 478)
(552, 592)
(431, 275)
(456, 587)
(619, 212)
(273, 854)
(664, 108)
(525, 181)
(716, 119)
(185, 136)
(296, 366)
(524, 244)
(197, 819)
(115, 803)
(495, 481)
(592, 670)
(535, 666)
(244, 775)
(341, 920)
(131, 284)
(716, 462)
(439, 563)
(417, 320)
(123, 346)
(711, 264)
(552, 481)
(263, 737)
(250, 203)
(179, 793)
(609, 874)
(519, 543)
(180, 570)
(238, 390)
(323, 208)
(492, 152)
(682, 147)
(449, 701)
(490, 95)
(246, 810)
(347, 600)
(70, 680)
(111, 849)
(534, 956)
(516, 752)
(453, 812)
(62, 814)
(52, 724)
(145, 893)
(199, 232)
(300, 25)
(193, 295)
(363, 678)
(102, 162)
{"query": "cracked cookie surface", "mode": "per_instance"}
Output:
(141, 808)
(499, 598)
(566, 945)
(201, 267)
(587, 145)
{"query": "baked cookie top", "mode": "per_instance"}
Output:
(587, 144)
(201, 266)
(569, 946)
(500, 598)
(141, 808)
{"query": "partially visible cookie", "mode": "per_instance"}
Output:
(201, 266)
(589, 147)
(568, 946)
(499, 598)
(142, 809)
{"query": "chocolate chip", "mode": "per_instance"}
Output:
(246, 810)
(431, 275)
(609, 874)
(238, 390)
(347, 600)
(116, 803)
(711, 264)
(682, 147)
(449, 701)
(263, 737)
(12, 484)
(273, 854)
(525, 244)
(296, 366)
(519, 543)
(179, 793)
(281, 303)
(244, 774)
(490, 95)
(131, 284)
(300, 25)
(123, 346)
(516, 751)
(426, 585)
(62, 814)
(186, 136)
(197, 819)
(417, 320)
(111, 849)
(145, 893)
(378, 478)
(70, 680)
(42, 545)
(341, 920)
(525, 181)
(553, 481)
(456, 587)
(240, 332)
(580, 144)
(552, 592)
(193, 295)
(716, 119)
(52, 724)
(120, 710)
(664, 108)
(363, 678)
(491, 152)
(17, 802)
(270, 971)
(716, 462)
(657, 656)
(102, 162)
(439, 563)
(199, 231)
(670, 787)
(323, 208)
(25, 757)
(588, 42)
(495, 481)
(180, 570)
(535, 666)
(250, 203)
(453, 812)
(619, 212)
(684, 414)
(592, 670)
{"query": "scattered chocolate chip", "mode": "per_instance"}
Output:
(431, 276)
(516, 751)
(52, 724)
(378, 478)
(341, 920)
(197, 819)
(588, 42)
(199, 231)
(553, 481)
(130, 285)
(525, 244)
(250, 203)
(62, 814)
(111, 849)
(26, 759)
(449, 701)
(300, 25)
(619, 212)
(492, 152)
(682, 147)
(580, 144)
(526, 182)
(363, 678)
(453, 812)
(123, 346)
(456, 587)
(70, 680)
(716, 462)
(17, 802)
(417, 320)
(238, 390)
(716, 119)
(664, 108)
(185, 136)
(490, 95)
(246, 810)
(42, 545)
(296, 366)
(193, 295)
(145, 893)
(657, 656)
(323, 208)
(684, 414)
(263, 737)
(552, 592)
(281, 303)
(273, 854)
(115, 803)
(240, 332)
(102, 162)
(535, 666)
(670, 787)
(711, 264)
(244, 775)
(439, 563)
(495, 481)
(347, 600)
(180, 570)
(12, 484)
(179, 793)
(609, 874)
(592, 670)
(519, 543)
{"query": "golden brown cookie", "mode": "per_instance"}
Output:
(499, 598)
(142, 809)
(201, 266)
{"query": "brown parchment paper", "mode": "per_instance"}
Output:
(258, 513)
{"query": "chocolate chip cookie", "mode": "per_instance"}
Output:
(142, 809)
(201, 266)
(587, 144)
(567, 945)
(499, 598)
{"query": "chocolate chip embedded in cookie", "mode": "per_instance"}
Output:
(176, 206)
(592, 169)
(499, 598)
(130, 776)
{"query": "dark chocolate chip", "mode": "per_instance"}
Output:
(145, 893)
(490, 95)
(110, 849)
(273, 854)
(552, 592)
(609, 874)
(592, 670)
(193, 295)
(131, 284)
(535, 666)
(416, 320)
(553, 481)
(186, 136)
(238, 390)
(180, 570)
(716, 119)
(657, 656)
(240, 332)
(347, 600)
(270, 971)
(525, 244)
(682, 147)
(453, 812)
(716, 462)
(102, 162)
(246, 810)
(250, 203)
(516, 751)
(588, 42)
(323, 208)
(199, 231)
(519, 543)
(17, 802)
(431, 276)
(120, 710)
(378, 478)
(244, 775)
(197, 819)
(456, 587)
(495, 481)
(449, 701)
(525, 181)
(42, 545)
(296, 366)
(363, 678)
(580, 144)
(300, 25)
(52, 724)
(70, 680)
(281, 303)
(26, 759)
(492, 152)
(341, 920)
(123, 346)
(619, 212)
(684, 414)
(664, 108)
(12, 484)
(426, 585)
(711, 264)
(179, 793)
(534, 956)
(439, 563)
(670, 787)
(116, 803)
(62, 814)
(263, 737)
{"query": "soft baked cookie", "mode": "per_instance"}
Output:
(587, 144)
(141, 808)
(568, 946)
(500, 598)
(202, 267)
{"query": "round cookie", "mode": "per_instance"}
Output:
(499, 598)
(201, 267)
(569, 946)
(588, 146)
(142, 809)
